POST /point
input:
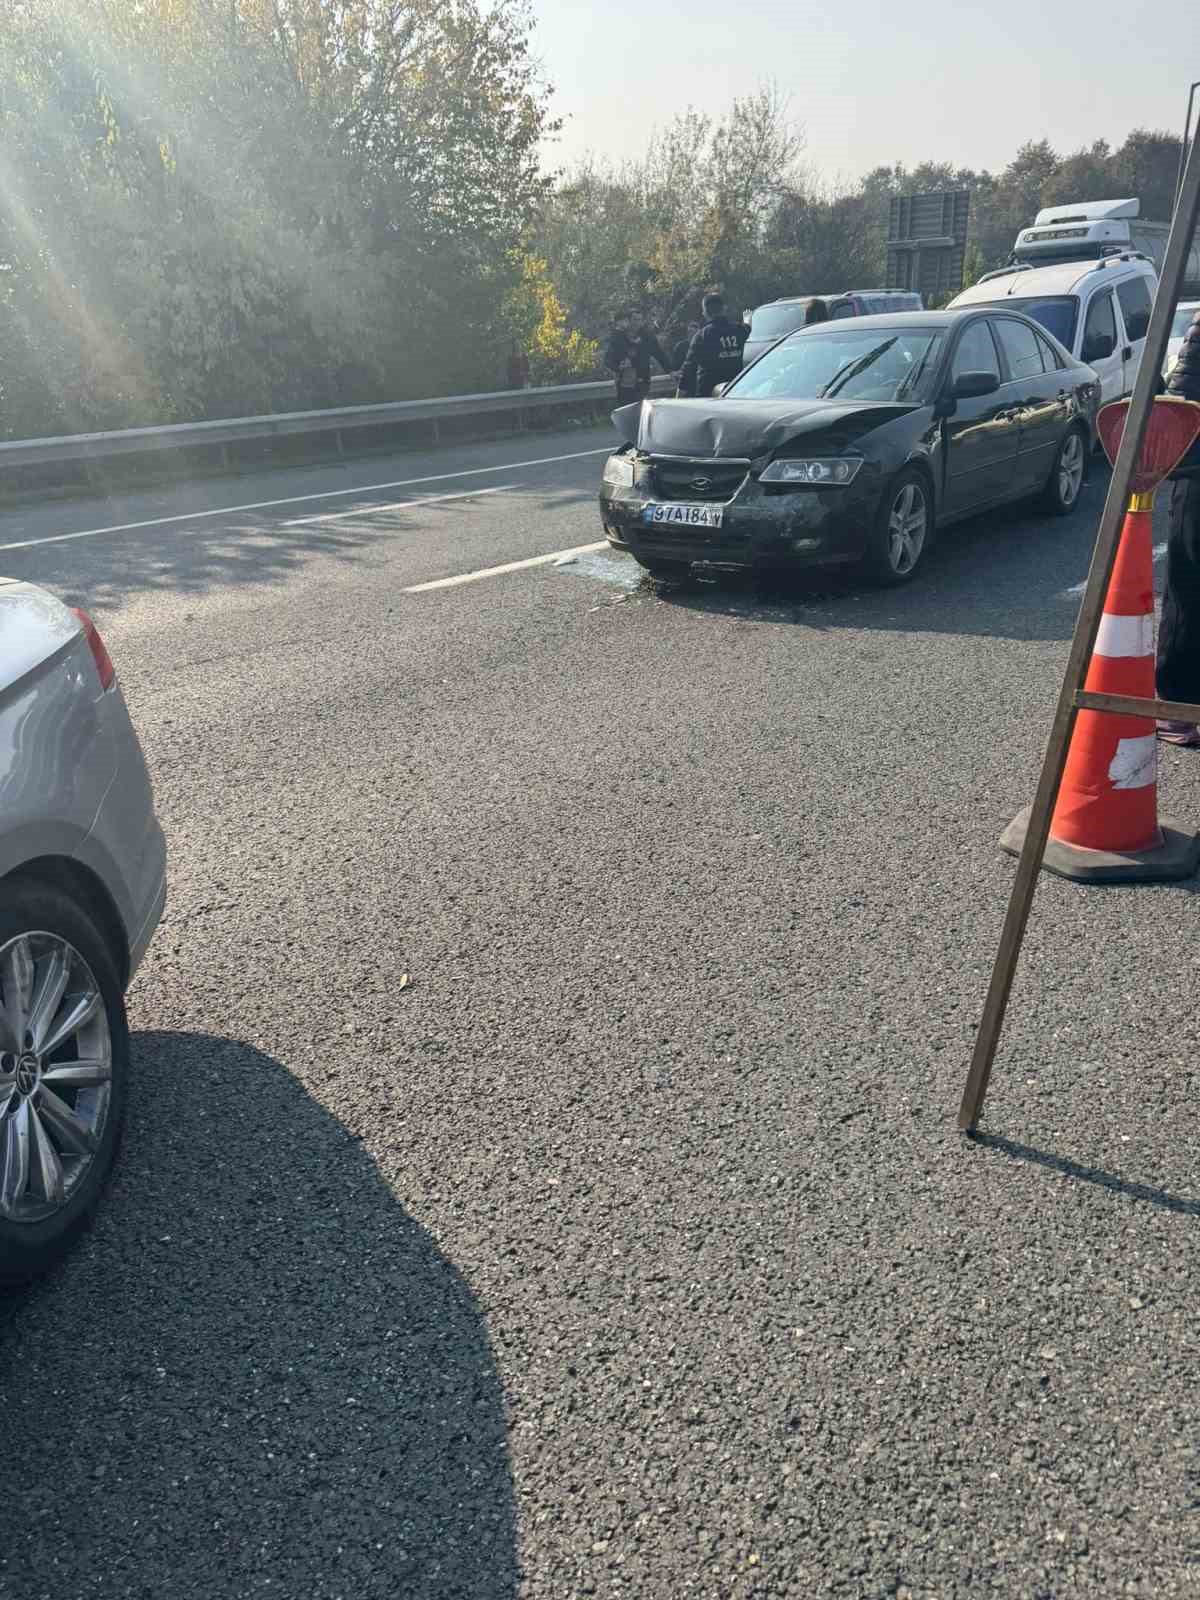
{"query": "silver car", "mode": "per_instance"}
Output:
(82, 886)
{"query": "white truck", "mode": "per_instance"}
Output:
(1088, 273)
(1095, 228)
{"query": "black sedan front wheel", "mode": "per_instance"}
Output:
(897, 544)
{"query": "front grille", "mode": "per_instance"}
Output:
(698, 480)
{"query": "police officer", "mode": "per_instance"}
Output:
(715, 354)
(1178, 671)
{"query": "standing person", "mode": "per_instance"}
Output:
(518, 368)
(682, 346)
(646, 349)
(1178, 667)
(715, 354)
(618, 358)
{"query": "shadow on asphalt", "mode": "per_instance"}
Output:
(1066, 1168)
(210, 555)
(258, 1374)
(1002, 575)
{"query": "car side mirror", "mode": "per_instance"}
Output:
(718, 391)
(974, 385)
(1099, 347)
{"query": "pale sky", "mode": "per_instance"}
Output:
(874, 81)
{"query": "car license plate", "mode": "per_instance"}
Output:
(683, 516)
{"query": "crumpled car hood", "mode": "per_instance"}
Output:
(745, 428)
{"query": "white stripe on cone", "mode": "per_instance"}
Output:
(1125, 636)
(1135, 765)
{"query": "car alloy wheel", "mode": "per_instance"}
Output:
(56, 1075)
(908, 528)
(1070, 469)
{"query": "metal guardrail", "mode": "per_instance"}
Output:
(240, 430)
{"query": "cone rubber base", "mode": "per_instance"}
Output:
(1176, 858)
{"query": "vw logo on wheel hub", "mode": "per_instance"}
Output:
(27, 1074)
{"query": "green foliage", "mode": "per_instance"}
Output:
(538, 323)
(1001, 204)
(723, 203)
(221, 207)
(652, 236)
(974, 265)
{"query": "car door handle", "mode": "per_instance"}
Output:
(1127, 353)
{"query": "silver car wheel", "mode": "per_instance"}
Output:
(908, 525)
(1070, 469)
(55, 1074)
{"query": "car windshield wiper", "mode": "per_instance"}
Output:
(852, 368)
(914, 376)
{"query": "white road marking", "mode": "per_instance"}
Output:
(508, 566)
(398, 505)
(299, 499)
(1160, 551)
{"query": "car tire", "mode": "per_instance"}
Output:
(903, 530)
(1064, 486)
(61, 1007)
(662, 567)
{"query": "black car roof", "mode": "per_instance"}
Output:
(933, 321)
(900, 319)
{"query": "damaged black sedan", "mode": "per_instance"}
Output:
(852, 442)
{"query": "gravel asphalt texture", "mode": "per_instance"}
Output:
(629, 1248)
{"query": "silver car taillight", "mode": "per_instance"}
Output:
(104, 666)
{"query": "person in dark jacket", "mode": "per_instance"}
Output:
(1178, 669)
(715, 354)
(628, 356)
(682, 346)
(815, 311)
(618, 358)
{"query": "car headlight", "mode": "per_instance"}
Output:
(618, 470)
(833, 473)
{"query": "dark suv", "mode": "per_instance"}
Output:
(780, 317)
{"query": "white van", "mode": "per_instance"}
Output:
(1099, 309)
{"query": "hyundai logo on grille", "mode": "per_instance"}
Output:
(701, 484)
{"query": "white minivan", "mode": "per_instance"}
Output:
(1099, 309)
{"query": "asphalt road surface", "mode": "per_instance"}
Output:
(629, 1248)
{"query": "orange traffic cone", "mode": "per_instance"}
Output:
(1109, 794)
(1106, 827)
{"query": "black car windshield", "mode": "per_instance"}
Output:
(772, 322)
(1056, 313)
(845, 362)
